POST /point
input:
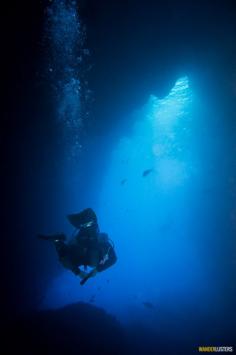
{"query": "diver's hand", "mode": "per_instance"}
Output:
(82, 274)
(93, 273)
(90, 274)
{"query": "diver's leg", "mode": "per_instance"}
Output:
(82, 218)
(66, 258)
(64, 254)
(61, 248)
(53, 237)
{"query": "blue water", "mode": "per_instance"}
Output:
(168, 223)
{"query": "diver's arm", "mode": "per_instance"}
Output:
(112, 258)
(78, 272)
(90, 274)
(102, 265)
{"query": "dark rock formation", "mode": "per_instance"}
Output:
(75, 329)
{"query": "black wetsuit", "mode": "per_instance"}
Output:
(87, 249)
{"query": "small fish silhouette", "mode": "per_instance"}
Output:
(149, 305)
(123, 181)
(92, 299)
(147, 172)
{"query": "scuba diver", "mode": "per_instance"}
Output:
(88, 247)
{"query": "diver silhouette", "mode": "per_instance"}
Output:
(88, 246)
